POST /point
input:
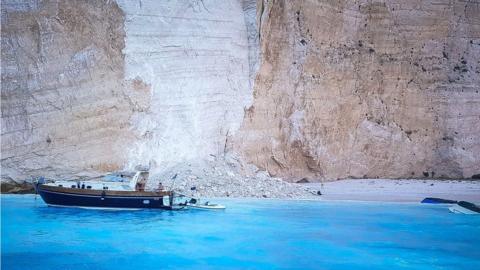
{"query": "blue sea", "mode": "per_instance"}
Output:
(249, 234)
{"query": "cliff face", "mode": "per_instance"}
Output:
(318, 89)
(95, 86)
(63, 106)
(366, 89)
(193, 58)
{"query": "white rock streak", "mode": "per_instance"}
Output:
(194, 57)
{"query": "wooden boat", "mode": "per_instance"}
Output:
(88, 194)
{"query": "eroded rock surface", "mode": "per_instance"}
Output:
(64, 111)
(366, 89)
(301, 89)
(96, 86)
(194, 57)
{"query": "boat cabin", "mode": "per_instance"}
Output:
(136, 183)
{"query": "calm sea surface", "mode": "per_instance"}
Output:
(250, 234)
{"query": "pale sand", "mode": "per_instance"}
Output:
(405, 190)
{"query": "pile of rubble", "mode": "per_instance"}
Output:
(227, 177)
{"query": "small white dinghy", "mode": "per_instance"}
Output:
(205, 206)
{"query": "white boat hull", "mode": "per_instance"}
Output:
(457, 209)
(206, 206)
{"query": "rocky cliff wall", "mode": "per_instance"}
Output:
(316, 89)
(193, 59)
(94, 86)
(366, 89)
(62, 99)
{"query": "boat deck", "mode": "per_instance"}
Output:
(105, 192)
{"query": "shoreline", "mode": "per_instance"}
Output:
(378, 190)
(398, 190)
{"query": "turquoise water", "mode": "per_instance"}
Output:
(250, 234)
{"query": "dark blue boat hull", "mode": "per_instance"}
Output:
(102, 200)
(470, 206)
(438, 200)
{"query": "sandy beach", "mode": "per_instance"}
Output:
(403, 190)
(386, 190)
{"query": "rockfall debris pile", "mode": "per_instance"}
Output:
(227, 177)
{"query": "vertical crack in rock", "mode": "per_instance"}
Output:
(250, 14)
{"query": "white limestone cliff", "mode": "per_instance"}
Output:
(171, 87)
(193, 56)
(316, 89)
(62, 99)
